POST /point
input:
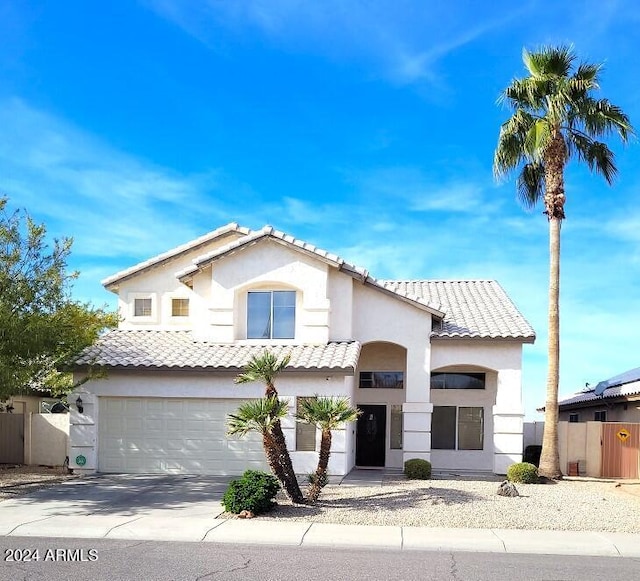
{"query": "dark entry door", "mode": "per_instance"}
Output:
(370, 435)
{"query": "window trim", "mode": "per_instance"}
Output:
(436, 376)
(272, 311)
(131, 299)
(600, 416)
(171, 308)
(399, 379)
(456, 434)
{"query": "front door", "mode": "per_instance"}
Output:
(370, 435)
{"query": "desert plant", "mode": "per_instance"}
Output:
(266, 367)
(254, 491)
(417, 469)
(522, 472)
(326, 413)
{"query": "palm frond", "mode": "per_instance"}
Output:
(549, 61)
(263, 367)
(326, 412)
(595, 154)
(258, 415)
(530, 184)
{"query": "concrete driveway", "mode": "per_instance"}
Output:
(119, 506)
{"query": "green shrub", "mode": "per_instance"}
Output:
(522, 472)
(417, 469)
(253, 491)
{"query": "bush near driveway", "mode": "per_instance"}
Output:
(254, 491)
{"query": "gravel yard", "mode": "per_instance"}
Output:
(578, 505)
(19, 480)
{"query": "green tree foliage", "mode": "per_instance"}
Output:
(555, 118)
(41, 326)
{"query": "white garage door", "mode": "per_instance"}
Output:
(174, 436)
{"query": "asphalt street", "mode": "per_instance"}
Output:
(115, 560)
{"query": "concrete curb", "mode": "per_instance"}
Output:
(207, 529)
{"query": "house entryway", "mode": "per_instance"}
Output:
(371, 435)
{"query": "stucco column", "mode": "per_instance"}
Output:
(417, 410)
(508, 416)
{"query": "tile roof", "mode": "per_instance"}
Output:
(126, 349)
(625, 384)
(112, 280)
(473, 308)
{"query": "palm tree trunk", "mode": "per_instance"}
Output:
(321, 470)
(550, 458)
(288, 475)
(271, 452)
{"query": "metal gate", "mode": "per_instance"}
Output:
(620, 450)
(11, 438)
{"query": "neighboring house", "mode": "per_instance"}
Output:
(612, 400)
(434, 365)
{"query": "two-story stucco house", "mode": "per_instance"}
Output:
(435, 366)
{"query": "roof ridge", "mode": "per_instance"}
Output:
(176, 251)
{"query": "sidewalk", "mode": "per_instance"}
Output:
(198, 527)
(165, 508)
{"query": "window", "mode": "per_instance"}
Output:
(271, 314)
(382, 379)
(457, 380)
(305, 433)
(142, 308)
(395, 428)
(600, 416)
(574, 418)
(463, 425)
(179, 307)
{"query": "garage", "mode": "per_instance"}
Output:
(173, 436)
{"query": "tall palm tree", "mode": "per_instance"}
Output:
(326, 413)
(555, 118)
(265, 367)
(260, 416)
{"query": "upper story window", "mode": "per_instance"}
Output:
(179, 307)
(458, 381)
(382, 379)
(143, 307)
(271, 314)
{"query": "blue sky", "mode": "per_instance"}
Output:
(364, 127)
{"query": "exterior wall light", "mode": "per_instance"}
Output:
(79, 405)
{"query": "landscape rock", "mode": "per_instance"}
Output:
(246, 514)
(507, 488)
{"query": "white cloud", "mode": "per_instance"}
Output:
(403, 41)
(112, 203)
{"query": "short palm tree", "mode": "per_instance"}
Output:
(555, 118)
(326, 413)
(260, 416)
(265, 367)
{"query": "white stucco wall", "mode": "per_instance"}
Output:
(160, 284)
(84, 427)
(379, 317)
(268, 266)
(502, 401)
